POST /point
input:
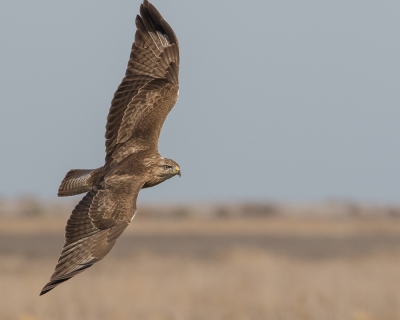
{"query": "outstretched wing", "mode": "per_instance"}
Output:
(149, 90)
(95, 225)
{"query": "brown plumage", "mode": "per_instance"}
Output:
(138, 110)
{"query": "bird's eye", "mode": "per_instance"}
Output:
(167, 167)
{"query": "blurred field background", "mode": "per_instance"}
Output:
(333, 260)
(280, 100)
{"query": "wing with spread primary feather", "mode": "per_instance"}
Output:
(95, 225)
(149, 90)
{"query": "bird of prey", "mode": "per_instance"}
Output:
(138, 110)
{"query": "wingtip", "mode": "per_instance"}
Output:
(54, 283)
(43, 292)
(51, 285)
(151, 18)
(46, 289)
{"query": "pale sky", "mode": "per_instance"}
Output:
(279, 100)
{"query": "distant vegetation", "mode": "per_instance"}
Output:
(279, 267)
(34, 207)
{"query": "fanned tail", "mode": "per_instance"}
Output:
(78, 181)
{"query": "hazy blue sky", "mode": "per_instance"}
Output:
(279, 100)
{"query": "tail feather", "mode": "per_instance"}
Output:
(75, 182)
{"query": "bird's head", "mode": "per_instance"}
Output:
(167, 168)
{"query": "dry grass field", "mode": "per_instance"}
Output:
(192, 269)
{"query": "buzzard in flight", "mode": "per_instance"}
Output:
(138, 110)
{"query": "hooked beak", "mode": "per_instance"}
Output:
(178, 171)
